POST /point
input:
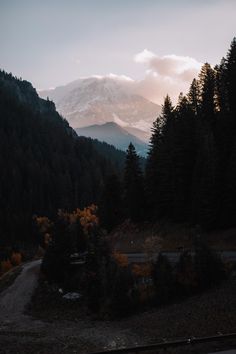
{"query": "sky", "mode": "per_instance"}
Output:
(160, 45)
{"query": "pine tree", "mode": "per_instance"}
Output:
(207, 95)
(228, 202)
(184, 155)
(221, 86)
(226, 93)
(231, 78)
(194, 96)
(111, 210)
(159, 170)
(206, 182)
(133, 186)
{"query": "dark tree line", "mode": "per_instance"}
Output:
(124, 197)
(190, 172)
(44, 165)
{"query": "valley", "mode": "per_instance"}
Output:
(117, 177)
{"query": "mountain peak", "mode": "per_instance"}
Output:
(98, 100)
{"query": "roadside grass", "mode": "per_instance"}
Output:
(8, 278)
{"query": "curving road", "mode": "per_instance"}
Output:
(21, 333)
(14, 299)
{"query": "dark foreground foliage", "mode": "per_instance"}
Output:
(78, 259)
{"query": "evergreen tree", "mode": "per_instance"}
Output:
(184, 155)
(207, 95)
(194, 96)
(221, 87)
(133, 186)
(205, 197)
(190, 173)
(111, 209)
(226, 131)
(44, 165)
(228, 213)
(231, 78)
(159, 171)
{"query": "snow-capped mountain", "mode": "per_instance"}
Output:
(113, 134)
(98, 100)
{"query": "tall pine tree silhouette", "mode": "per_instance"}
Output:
(207, 95)
(111, 209)
(183, 152)
(133, 186)
(159, 170)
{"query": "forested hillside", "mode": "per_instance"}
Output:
(44, 165)
(191, 171)
(191, 167)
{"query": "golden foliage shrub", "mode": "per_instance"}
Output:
(142, 270)
(5, 266)
(43, 223)
(121, 259)
(87, 217)
(16, 258)
(44, 226)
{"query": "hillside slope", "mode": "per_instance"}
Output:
(44, 165)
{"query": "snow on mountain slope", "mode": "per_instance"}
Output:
(98, 100)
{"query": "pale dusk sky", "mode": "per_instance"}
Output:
(159, 44)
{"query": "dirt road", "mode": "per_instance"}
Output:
(20, 333)
(203, 314)
(15, 298)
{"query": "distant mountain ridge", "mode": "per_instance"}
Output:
(98, 100)
(112, 133)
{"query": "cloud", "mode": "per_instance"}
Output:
(144, 57)
(120, 77)
(162, 75)
(168, 74)
(115, 77)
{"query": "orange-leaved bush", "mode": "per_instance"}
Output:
(16, 258)
(87, 217)
(5, 266)
(44, 226)
(121, 259)
(142, 270)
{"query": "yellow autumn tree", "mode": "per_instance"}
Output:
(121, 259)
(44, 226)
(142, 270)
(87, 217)
(16, 258)
(5, 266)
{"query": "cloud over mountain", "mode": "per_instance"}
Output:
(165, 74)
